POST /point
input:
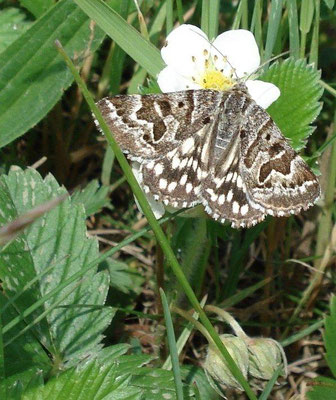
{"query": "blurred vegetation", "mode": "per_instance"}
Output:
(79, 302)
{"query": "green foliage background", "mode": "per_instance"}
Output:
(81, 316)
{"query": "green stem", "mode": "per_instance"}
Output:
(228, 318)
(194, 321)
(172, 346)
(303, 44)
(327, 87)
(160, 236)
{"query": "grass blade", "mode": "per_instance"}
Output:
(269, 386)
(213, 18)
(172, 346)
(313, 57)
(169, 16)
(205, 17)
(256, 25)
(273, 27)
(180, 11)
(293, 21)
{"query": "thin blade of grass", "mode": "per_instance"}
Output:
(293, 21)
(269, 386)
(213, 18)
(306, 18)
(180, 11)
(273, 27)
(205, 17)
(301, 334)
(313, 56)
(256, 25)
(183, 338)
(169, 16)
(243, 294)
(140, 74)
(127, 37)
(239, 14)
(107, 166)
(172, 346)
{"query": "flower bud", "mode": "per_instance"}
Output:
(266, 356)
(216, 367)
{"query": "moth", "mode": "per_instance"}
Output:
(215, 148)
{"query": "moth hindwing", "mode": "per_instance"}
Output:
(218, 149)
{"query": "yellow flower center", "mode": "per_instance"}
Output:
(213, 79)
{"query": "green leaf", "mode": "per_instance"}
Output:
(28, 380)
(157, 384)
(57, 241)
(299, 104)
(192, 374)
(33, 76)
(13, 23)
(25, 356)
(122, 277)
(97, 381)
(37, 7)
(330, 336)
(94, 197)
(322, 389)
(128, 38)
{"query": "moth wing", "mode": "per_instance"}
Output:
(149, 126)
(277, 179)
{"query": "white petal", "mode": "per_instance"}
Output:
(263, 93)
(186, 50)
(241, 50)
(170, 81)
(156, 206)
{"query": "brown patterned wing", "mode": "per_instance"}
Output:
(277, 179)
(149, 126)
(177, 178)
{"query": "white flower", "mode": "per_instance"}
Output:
(193, 62)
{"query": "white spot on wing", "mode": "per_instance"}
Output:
(221, 199)
(183, 180)
(189, 187)
(163, 183)
(235, 207)
(172, 186)
(188, 145)
(158, 169)
(244, 209)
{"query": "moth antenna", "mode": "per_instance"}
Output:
(252, 73)
(265, 63)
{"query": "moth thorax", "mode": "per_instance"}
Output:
(214, 79)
